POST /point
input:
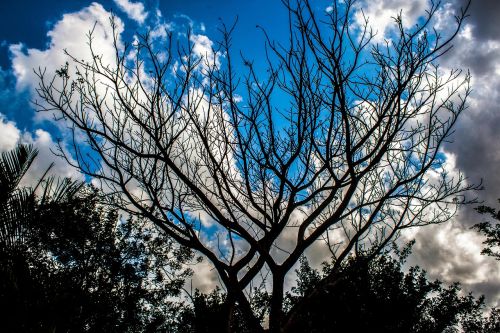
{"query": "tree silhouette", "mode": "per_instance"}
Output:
(339, 141)
(69, 264)
(378, 295)
(372, 295)
(491, 231)
(16, 204)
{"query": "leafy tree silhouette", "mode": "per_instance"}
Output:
(491, 231)
(70, 264)
(372, 295)
(378, 295)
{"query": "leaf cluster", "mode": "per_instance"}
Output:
(491, 231)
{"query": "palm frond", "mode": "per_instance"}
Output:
(18, 206)
(13, 166)
(58, 190)
(15, 217)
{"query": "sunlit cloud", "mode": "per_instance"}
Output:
(134, 10)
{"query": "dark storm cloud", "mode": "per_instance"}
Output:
(450, 253)
(476, 146)
(478, 57)
(484, 16)
(477, 139)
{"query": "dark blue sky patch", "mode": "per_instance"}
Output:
(15, 105)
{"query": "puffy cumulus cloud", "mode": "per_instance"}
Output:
(203, 49)
(477, 140)
(381, 14)
(10, 134)
(134, 10)
(451, 252)
(71, 35)
(41, 140)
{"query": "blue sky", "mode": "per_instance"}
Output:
(450, 252)
(28, 23)
(38, 18)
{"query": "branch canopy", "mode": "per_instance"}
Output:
(338, 139)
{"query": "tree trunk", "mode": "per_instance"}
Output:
(276, 311)
(231, 308)
(237, 296)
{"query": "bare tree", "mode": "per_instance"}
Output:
(339, 141)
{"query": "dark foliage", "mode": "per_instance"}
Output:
(370, 296)
(71, 265)
(491, 231)
(378, 295)
(209, 313)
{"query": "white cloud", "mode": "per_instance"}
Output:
(69, 34)
(451, 253)
(381, 15)
(205, 277)
(41, 140)
(10, 134)
(134, 10)
(203, 49)
(161, 30)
